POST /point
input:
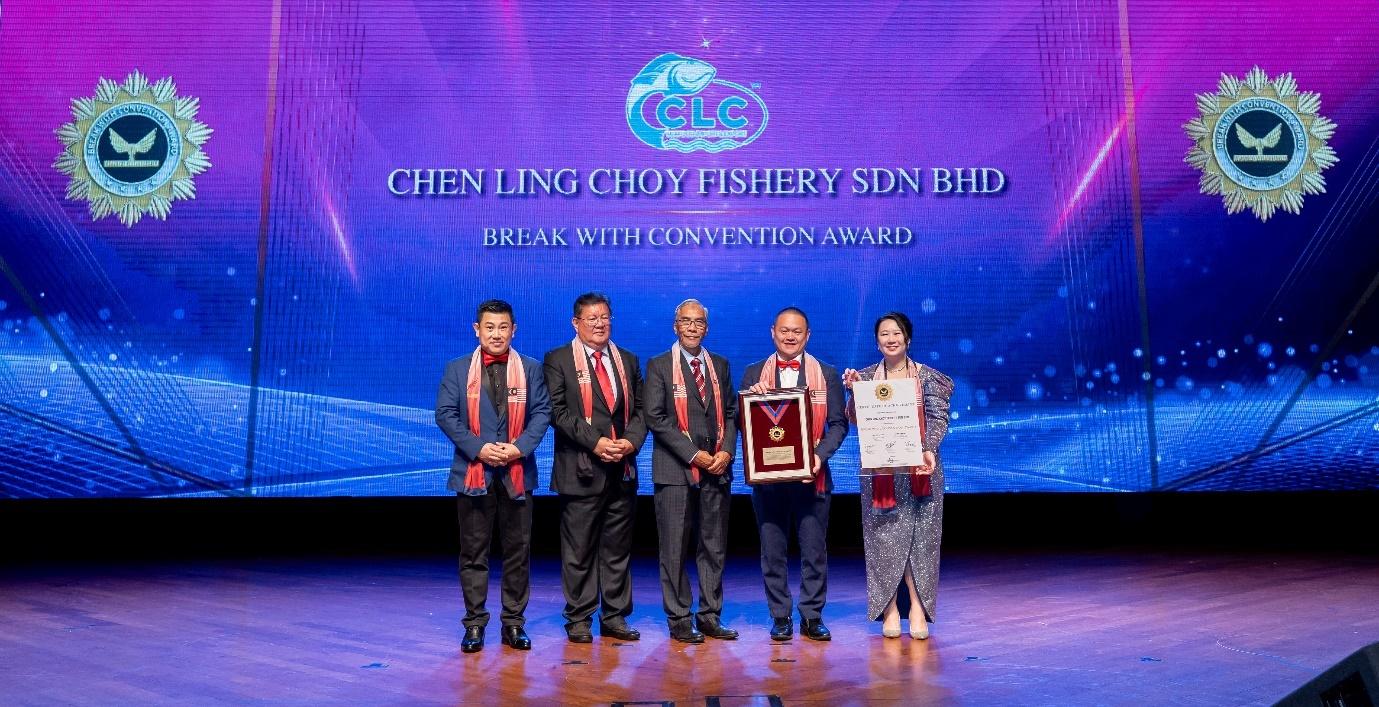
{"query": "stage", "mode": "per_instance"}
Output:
(1027, 627)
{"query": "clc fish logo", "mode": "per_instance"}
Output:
(676, 103)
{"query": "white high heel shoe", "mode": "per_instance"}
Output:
(888, 629)
(919, 630)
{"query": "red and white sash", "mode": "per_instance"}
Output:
(681, 395)
(921, 483)
(517, 417)
(586, 390)
(818, 399)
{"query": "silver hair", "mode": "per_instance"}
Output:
(691, 300)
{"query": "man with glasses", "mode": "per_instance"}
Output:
(692, 409)
(595, 392)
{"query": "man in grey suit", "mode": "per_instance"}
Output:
(596, 410)
(693, 414)
(494, 407)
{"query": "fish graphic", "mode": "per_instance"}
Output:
(669, 74)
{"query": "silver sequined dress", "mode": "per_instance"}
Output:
(911, 533)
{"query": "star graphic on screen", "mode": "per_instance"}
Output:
(704, 43)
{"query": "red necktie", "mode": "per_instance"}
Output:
(699, 378)
(792, 365)
(605, 385)
(490, 359)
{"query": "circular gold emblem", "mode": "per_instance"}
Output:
(1260, 144)
(883, 392)
(776, 433)
(133, 149)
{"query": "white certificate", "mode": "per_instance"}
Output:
(888, 423)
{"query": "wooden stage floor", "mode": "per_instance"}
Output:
(1136, 627)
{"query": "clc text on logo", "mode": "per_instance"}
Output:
(677, 103)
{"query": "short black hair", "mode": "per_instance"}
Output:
(494, 306)
(589, 299)
(906, 328)
(792, 310)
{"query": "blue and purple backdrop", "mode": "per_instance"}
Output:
(1109, 326)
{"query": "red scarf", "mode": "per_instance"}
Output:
(921, 484)
(681, 395)
(517, 418)
(818, 400)
(586, 390)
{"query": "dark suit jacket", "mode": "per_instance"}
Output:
(452, 414)
(673, 452)
(836, 429)
(576, 471)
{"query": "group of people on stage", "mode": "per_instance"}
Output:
(496, 405)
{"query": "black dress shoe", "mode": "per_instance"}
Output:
(473, 639)
(685, 632)
(579, 634)
(515, 637)
(782, 629)
(622, 633)
(714, 629)
(815, 630)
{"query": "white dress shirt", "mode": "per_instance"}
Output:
(789, 378)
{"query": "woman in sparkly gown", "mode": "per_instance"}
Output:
(902, 514)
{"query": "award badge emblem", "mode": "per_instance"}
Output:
(775, 413)
(883, 392)
(133, 148)
(1260, 144)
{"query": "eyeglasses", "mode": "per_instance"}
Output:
(692, 323)
(601, 319)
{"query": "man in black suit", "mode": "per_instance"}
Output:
(494, 408)
(693, 413)
(781, 507)
(595, 392)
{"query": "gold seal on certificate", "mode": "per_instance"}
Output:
(775, 436)
(888, 432)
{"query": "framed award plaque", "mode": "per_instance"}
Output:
(775, 436)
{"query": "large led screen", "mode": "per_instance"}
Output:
(240, 240)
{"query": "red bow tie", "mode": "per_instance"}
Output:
(490, 359)
(792, 365)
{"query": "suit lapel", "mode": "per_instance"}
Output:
(595, 390)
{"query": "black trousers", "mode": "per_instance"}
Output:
(596, 554)
(781, 508)
(477, 515)
(692, 518)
